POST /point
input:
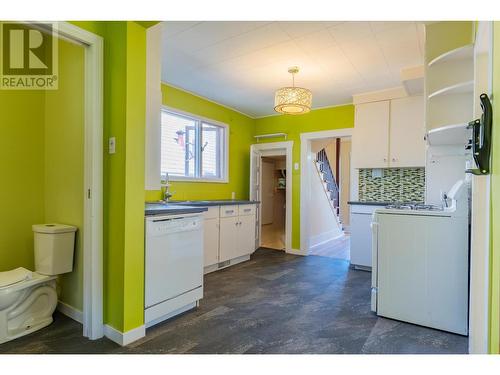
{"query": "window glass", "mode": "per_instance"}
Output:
(211, 142)
(192, 148)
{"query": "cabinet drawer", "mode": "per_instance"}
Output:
(246, 209)
(227, 211)
(212, 213)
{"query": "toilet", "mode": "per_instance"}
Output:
(28, 299)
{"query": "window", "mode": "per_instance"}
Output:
(192, 148)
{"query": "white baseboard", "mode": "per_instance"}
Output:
(124, 338)
(70, 311)
(296, 252)
(231, 262)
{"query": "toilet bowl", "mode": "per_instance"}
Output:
(25, 305)
(28, 299)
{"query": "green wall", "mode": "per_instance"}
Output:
(317, 120)
(241, 132)
(124, 119)
(495, 201)
(441, 37)
(64, 157)
(22, 171)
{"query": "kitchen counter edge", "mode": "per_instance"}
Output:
(369, 203)
(208, 203)
(174, 210)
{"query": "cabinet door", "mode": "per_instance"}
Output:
(211, 242)
(228, 239)
(361, 239)
(407, 145)
(246, 235)
(370, 141)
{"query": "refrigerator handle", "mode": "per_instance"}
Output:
(374, 228)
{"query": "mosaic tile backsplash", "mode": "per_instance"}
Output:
(395, 185)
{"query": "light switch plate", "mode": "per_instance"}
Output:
(296, 166)
(112, 145)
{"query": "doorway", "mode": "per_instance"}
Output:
(273, 202)
(56, 140)
(326, 182)
(274, 209)
(92, 190)
(330, 188)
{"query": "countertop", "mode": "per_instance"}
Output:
(171, 209)
(215, 202)
(370, 203)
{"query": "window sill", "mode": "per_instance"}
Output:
(191, 179)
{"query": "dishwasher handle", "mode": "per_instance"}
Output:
(165, 227)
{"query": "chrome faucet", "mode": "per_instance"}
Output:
(165, 189)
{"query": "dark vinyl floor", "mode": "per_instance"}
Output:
(273, 303)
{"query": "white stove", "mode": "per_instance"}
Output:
(420, 263)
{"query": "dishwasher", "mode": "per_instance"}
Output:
(173, 265)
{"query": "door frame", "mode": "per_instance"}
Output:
(275, 149)
(305, 176)
(480, 262)
(92, 317)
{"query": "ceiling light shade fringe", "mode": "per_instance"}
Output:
(293, 100)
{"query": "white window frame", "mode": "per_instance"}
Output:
(225, 151)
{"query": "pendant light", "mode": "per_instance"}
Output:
(293, 100)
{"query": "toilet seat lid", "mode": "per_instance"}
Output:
(14, 276)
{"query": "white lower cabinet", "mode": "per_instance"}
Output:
(361, 235)
(229, 234)
(228, 238)
(245, 236)
(211, 242)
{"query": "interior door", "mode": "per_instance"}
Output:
(255, 189)
(267, 203)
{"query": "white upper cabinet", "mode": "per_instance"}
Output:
(389, 133)
(406, 132)
(370, 141)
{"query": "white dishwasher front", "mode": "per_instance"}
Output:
(174, 264)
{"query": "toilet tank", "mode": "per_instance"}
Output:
(54, 248)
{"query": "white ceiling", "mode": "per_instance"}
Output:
(241, 64)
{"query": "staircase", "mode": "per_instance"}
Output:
(330, 184)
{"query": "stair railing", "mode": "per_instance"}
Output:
(329, 178)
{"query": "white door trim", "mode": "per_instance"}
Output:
(305, 175)
(275, 149)
(93, 180)
(480, 223)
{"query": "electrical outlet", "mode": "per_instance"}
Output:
(112, 145)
